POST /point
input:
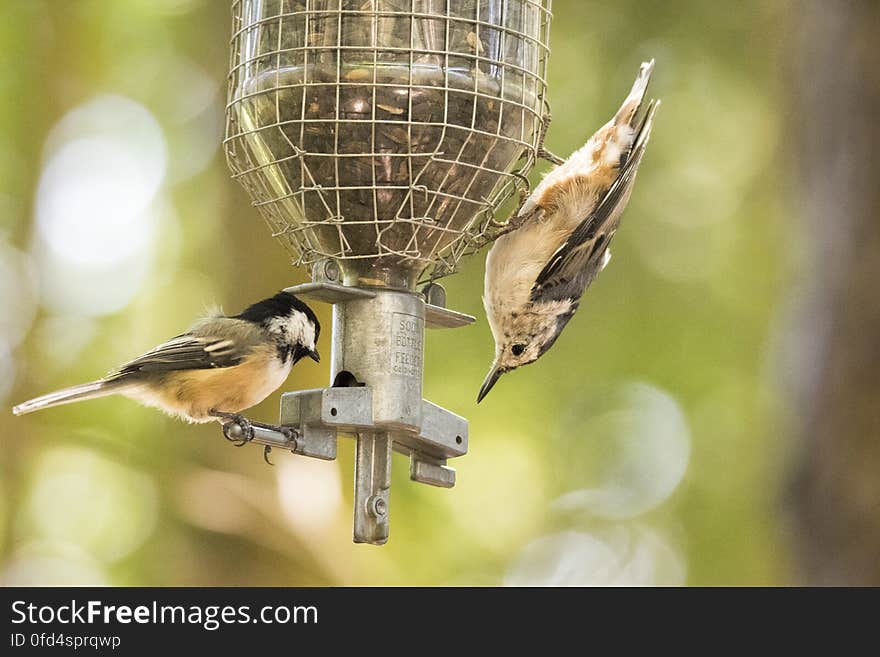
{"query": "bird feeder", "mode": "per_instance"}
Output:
(376, 138)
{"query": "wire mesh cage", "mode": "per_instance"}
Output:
(384, 133)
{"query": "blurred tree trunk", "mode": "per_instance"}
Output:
(836, 122)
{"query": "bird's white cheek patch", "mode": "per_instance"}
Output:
(296, 327)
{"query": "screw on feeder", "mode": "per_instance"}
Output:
(377, 506)
(377, 145)
(326, 270)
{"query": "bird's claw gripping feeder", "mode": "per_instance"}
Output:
(376, 137)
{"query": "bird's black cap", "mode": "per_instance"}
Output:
(278, 306)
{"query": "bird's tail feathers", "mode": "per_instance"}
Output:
(627, 113)
(643, 131)
(93, 390)
(615, 142)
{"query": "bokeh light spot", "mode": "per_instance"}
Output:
(310, 494)
(18, 291)
(98, 205)
(617, 556)
(80, 497)
(52, 564)
(638, 449)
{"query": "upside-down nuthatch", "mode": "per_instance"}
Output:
(558, 240)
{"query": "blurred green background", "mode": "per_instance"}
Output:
(648, 447)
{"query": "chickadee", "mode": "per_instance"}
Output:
(558, 242)
(220, 366)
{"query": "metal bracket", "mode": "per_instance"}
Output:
(372, 486)
(318, 415)
(432, 473)
(379, 421)
(436, 317)
(329, 292)
(439, 318)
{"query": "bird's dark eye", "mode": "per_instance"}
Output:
(518, 349)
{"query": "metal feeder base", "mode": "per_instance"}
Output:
(376, 366)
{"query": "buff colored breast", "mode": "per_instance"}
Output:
(192, 394)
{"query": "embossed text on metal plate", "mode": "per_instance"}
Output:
(407, 332)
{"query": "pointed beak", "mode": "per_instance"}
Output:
(315, 356)
(491, 379)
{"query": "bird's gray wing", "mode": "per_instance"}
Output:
(576, 263)
(187, 352)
